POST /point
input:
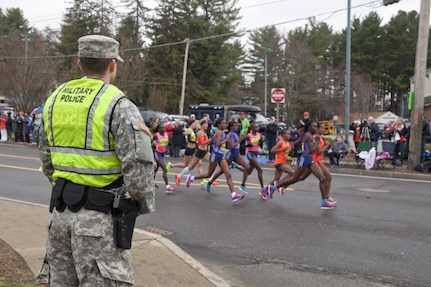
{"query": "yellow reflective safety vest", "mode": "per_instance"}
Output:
(77, 124)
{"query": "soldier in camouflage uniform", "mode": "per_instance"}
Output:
(81, 249)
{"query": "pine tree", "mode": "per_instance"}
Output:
(84, 17)
(212, 72)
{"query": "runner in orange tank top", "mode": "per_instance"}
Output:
(282, 151)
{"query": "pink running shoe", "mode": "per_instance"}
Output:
(237, 197)
(170, 189)
(189, 180)
(328, 205)
(264, 194)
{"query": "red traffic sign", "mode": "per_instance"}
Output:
(278, 95)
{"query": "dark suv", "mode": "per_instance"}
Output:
(150, 115)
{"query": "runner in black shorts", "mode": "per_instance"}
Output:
(190, 149)
(200, 153)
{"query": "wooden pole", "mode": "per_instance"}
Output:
(419, 86)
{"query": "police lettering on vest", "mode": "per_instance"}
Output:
(75, 94)
(73, 99)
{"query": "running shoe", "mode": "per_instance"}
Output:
(204, 181)
(168, 167)
(177, 179)
(208, 187)
(237, 197)
(244, 189)
(332, 200)
(264, 194)
(328, 205)
(170, 189)
(271, 189)
(189, 180)
(232, 165)
(215, 183)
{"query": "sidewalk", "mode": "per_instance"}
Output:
(156, 260)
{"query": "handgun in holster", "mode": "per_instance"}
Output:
(124, 212)
(57, 196)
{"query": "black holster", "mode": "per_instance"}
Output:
(57, 196)
(124, 213)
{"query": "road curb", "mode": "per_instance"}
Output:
(196, 265)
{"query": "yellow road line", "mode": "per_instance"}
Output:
(20, 167)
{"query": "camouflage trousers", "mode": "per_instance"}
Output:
(81, 251)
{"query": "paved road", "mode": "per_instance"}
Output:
(379, 236)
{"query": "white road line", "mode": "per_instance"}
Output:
(373, 190)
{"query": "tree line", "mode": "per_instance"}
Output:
(308, 61)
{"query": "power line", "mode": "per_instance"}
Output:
(237, 34)
(264, 4)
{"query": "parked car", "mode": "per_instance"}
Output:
(230, 111)
(150, 115)
(258, 118)
(179, 118)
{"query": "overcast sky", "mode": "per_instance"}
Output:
(286, 14)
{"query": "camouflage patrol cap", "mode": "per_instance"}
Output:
(99, 47)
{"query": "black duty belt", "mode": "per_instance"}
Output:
(76, 196)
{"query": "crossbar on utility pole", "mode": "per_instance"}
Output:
(183, 85)
(419, 86)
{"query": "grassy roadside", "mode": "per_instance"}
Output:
(14, 271)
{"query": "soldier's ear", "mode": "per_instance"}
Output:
(112, 65)
(78, 63)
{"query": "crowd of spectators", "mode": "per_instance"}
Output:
(19, 127)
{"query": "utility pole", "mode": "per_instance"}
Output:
(419, 86)
(348, 67)
(183, 85)
(266, 51)
(26, 49)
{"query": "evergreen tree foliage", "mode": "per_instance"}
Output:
(83, 17)
(264, 43)
(398, 60)
(12, 20)
(137, 12)
(212, 71)
(131, 74)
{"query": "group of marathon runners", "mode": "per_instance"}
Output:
(225, 154)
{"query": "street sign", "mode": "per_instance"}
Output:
(278, 95)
